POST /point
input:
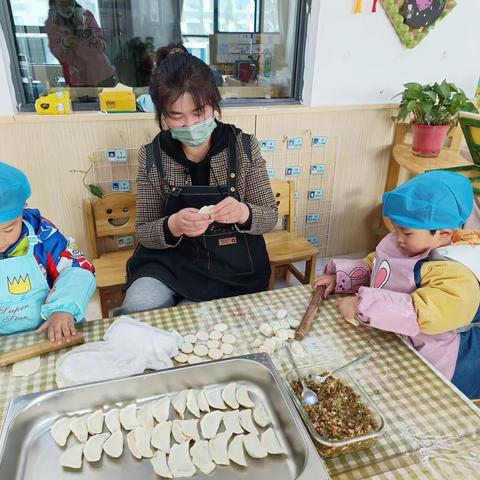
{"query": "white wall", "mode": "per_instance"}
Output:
(359, 59)
(7, 96)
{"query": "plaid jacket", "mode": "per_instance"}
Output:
(253, 188)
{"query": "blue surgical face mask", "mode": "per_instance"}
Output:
(66, 16)
(195, 135)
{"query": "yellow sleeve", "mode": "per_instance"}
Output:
(448, 298)
(369, 259)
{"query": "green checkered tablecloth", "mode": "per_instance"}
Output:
(433, 431)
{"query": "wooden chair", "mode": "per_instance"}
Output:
(285, 247)
(111, 216)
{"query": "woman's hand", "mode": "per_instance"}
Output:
(327, 281)
(189, 222)
(70, 41)
(348, 307)
(60, 327)
(230, 210)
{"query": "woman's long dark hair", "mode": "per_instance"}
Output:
(178, 72)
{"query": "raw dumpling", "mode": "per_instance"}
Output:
(228, 395)
(235, 451)
(246, 421)
(159, 464)
(112, 420)
(61, 430)
(271, 444)
(78, 426)
(142, 441)
(177, 432)
(72, 457)
(180, 402)
(94, 447)
(190, 339)
(113, 447)
(281, 314)
(210, 423)
(190, 429)
(192, 405)
(266, 330)
(214, 398)
(206, 209)
(260, 416)
(132, 445)
(253, 446)
(128, 417)
(145, 415)
(215, 353)
(243, 398)
(227, 348)
(95, 422)
(220, 327)
(181, 358)
(179, 461)
(229, 338)
(161, 436)
(202, 401)
(218, 448)
(202, 336)
(231, 422)
(161, 409)
(201, 457)
(200, 350)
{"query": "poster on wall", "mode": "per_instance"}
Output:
(413, 19)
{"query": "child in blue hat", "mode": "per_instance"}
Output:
(45, 280)
(409, 287)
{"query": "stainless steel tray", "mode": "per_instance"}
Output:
(28, 452)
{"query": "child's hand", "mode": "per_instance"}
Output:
(60, 327)
(348, 307)
(327, 281)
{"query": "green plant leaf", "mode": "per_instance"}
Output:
(95, 191)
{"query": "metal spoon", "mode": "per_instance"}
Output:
(308, 396)
(322, 378)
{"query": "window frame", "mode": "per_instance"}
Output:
(303, 12)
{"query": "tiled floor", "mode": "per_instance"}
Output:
(94, 311)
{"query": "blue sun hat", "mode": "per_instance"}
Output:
(14, 192)
(430, 201)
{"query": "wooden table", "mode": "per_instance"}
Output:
(432, 430)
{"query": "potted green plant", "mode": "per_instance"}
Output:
(434, 110)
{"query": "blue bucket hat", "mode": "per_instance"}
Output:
(430, 201)
(14, 192)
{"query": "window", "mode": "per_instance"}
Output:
(254, 47)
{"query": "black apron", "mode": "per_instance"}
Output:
(220, 263)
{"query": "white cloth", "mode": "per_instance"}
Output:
(129, 347)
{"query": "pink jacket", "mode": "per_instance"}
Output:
(85, 63)
(385, 301)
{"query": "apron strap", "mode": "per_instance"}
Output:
(232, 164)
(32, 238)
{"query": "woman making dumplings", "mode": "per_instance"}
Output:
(186, 252)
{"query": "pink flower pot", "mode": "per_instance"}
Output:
(428, 140)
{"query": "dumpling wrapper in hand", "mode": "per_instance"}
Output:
(113, 447)
(192, 405)
(229, 395)
(94, 447)
(218, 448)
(236, 452)
(72, 457)
(243, 398)
(210, 423)
(61, 430)
(161, 436)
(159, 464)
(78, 426)
(253, 446)
(201, 457)
(179, 461)
(95, 422)
(128, 417)
(161, 409)
(271, 444)
(112, 420)
(246, 421)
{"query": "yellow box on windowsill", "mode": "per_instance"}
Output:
(55, 103)
(117, 99)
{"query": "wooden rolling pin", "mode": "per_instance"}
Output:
(37, 349)
(310, 314)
